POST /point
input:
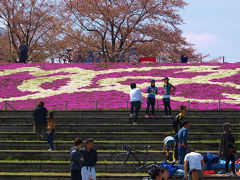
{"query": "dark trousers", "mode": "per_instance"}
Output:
(76, 175)
(150, 102)
(50, 139)
(228, 159)
(135, 107)
(22, 59)
(41, 130)
(181, 153)
(175, 152)
(166, 102)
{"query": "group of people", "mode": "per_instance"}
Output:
(182, 154)
(136, 99)
(83, 160)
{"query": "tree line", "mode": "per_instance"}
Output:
(111, 27)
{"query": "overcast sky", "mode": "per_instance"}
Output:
(214, 26)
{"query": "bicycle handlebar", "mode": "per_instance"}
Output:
(128, 147)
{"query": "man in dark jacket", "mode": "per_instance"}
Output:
(90, 160)
(40, 117)
(23, 51)
(177, 125)
(76, 160)
(226, 148)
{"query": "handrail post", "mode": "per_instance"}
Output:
(65, 105)
(5, 108)
(127, 105)
(219, 105)
(189, 104)
(157, 105)
(96, 104)
(35, 104)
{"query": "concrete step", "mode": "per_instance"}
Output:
(63, 167)
(101, 145)
(105, 176)
(113, 136)
(114, 128)
(117, 114)
(65, 155)
(48, 166)
(121, 120)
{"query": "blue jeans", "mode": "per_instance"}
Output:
(181, 154)
(50, 139)
(135, 107)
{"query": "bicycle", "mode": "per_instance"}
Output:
(129, 163)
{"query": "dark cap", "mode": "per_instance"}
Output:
(166, 78)
(88, 140)
(153, 81)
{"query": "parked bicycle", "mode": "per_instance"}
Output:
(128, 162)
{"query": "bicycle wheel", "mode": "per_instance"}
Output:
(122, 163)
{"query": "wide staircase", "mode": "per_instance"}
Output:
(23, 157)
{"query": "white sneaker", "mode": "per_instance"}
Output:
(134, 123)
(50, 149)
(228, 174)
(131, 116)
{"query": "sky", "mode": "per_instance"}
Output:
(214, 27)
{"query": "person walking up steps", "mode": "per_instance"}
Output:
(40, 117)
(51, 131)
(136, 99)
(152, 92)
(168, 89)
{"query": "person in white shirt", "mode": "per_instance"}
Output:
(196, 165)
(136, 99)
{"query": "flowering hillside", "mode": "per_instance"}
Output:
(82, 84)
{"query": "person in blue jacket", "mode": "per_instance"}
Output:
(182, 138)
(23, 52)
(152, 92)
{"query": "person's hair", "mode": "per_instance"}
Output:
(78, 141)
(50, 115)
(183, 107)
(133, 85)
(167, 82)
(189, 150)
(166, 135)
(40, 103)
(153, 81)
(185, 122)
(156, 170)
(88, 140)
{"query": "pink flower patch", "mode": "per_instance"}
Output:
(55, 85)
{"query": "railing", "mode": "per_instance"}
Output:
(7, 104)
(97, 105)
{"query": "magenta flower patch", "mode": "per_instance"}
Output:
(81, 85)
